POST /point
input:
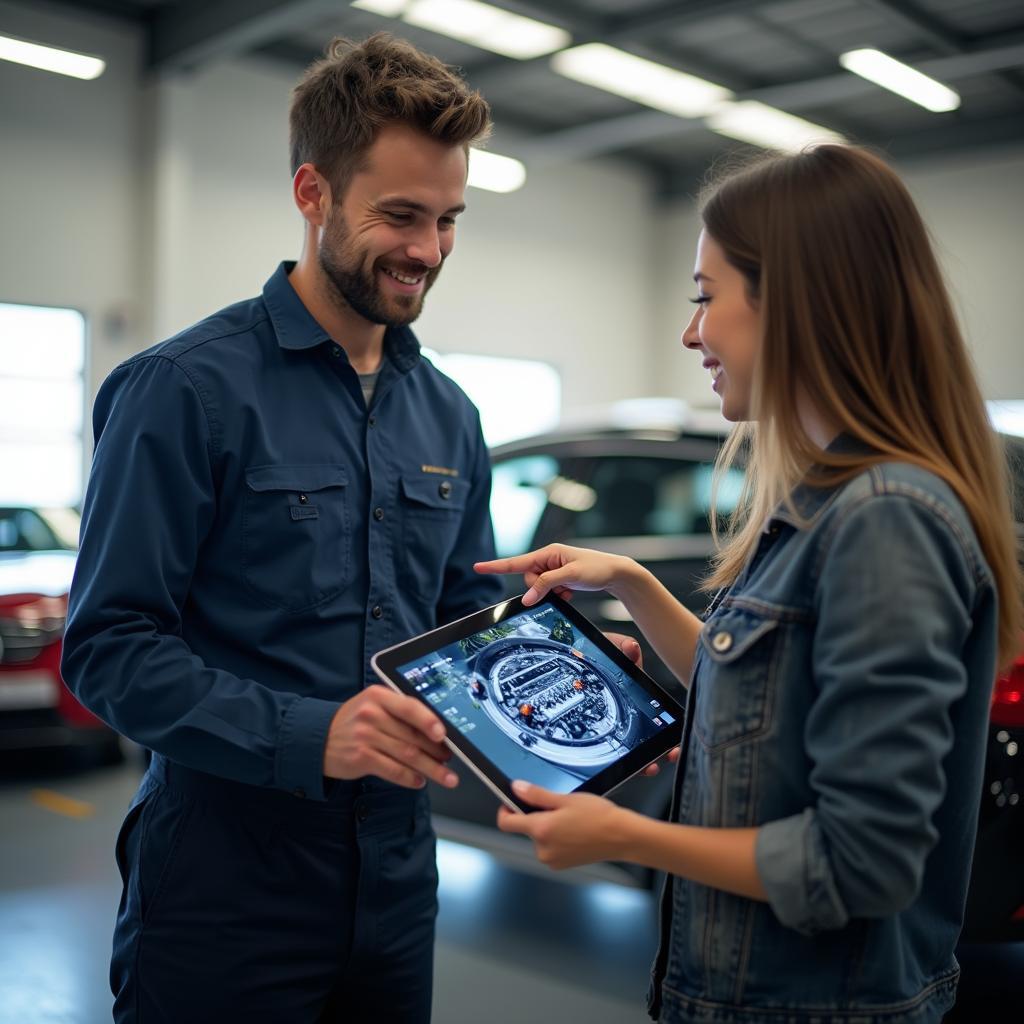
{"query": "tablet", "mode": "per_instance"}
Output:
(539, 694)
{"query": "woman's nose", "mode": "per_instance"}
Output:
(691, 337)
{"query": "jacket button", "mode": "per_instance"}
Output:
(362, 812)
(721, 642)
(445, 489)
(378, 514)
(336, 351)
(376, 611)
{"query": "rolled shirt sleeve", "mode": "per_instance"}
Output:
(150, 504)
(894, 600)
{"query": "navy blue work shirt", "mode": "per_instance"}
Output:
(252, 534)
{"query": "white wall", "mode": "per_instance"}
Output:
(69, 182)
(974, 208)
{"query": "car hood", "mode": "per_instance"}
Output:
(47, 573)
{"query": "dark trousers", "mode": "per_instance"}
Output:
(241, 903)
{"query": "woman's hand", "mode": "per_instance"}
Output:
(561, 569)
(569, 829)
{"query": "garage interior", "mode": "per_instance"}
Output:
(145, 198)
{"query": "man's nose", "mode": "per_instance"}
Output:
(426, 248)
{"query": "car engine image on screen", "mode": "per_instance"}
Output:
(540, 700)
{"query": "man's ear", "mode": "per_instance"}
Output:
(312, 194)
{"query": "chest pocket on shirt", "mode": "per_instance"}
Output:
(432, 508)
(296, 534)
(736, 691)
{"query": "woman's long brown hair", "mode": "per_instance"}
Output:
(856, 320)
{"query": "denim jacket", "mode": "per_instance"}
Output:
(839, 702)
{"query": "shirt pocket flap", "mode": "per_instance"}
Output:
(442, 493)
(731, 634)
(295, 478)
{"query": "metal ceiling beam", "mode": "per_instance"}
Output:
(187, 35)
(610, 135)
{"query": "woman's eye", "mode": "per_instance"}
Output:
(701, 299)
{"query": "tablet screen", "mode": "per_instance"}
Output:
(538, 698)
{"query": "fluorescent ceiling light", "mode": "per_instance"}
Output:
(388, 8)
(48, 58)
(767, 127)
(644, 81)
(495, 173)
(476, 23)
(900, 78)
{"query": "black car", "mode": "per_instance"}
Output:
(643, 489)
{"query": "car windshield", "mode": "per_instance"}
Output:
(27, 529)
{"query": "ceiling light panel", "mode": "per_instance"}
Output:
(479, 24)
(495, 173)
(901, 79)
(643, 81)
(768, 127)
(49, 58)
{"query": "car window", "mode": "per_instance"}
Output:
(519, 493)
(637, 497)
(21, 529)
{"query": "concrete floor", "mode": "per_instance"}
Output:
(582, 952)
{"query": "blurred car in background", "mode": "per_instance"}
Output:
(37, 560)
(638, 483)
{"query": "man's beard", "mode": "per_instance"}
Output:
(355, 285)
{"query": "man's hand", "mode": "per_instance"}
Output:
(379, 732)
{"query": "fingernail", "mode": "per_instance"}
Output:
(521, 787)
(437, 732)
(451, 779)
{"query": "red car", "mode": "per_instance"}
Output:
(37, 559)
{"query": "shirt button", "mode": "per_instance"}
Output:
(372, 421)
(335, 351)
(376, 611)
(303, 499)
(300, 793)
(378, 514)
(445, 489)
(722, 642)
(362, 812)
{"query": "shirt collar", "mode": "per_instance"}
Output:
(297, 328)
(811, 502)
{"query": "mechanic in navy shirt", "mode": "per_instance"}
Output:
(277, 493)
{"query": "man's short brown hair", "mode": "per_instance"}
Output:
(345, 99)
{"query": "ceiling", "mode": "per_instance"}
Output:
(781, 52)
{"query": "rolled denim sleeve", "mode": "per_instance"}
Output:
(149, 507)
(894, 598)
(464, 590)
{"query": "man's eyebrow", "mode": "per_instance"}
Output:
(411, 204)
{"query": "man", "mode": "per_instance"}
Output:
(277, 493)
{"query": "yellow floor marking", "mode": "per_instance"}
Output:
(60, 804)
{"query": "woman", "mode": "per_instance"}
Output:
(825, 804)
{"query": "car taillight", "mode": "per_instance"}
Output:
(1008, 696)
(28, 625)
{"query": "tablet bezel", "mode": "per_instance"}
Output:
(385, 663)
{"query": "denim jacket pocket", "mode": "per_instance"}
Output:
(296, 535)
(735, 698)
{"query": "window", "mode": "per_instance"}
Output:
(42, 400)
(519, 493)
(642, 497)
(516, 397)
